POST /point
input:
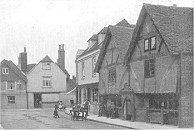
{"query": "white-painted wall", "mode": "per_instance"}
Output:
(88, 69)
(35, 79)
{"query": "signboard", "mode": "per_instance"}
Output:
(50, 97)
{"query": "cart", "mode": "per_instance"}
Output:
(78, 113)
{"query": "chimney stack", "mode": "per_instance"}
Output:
(61, 57)
(174, 5)
(22, 61)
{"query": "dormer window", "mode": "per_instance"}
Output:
(5, 71)
(150, 44)
(46, 66)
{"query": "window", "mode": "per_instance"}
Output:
(150, 44)
(11, 99)
(11, 85)
(95, 95)
(46, 81)
(46, 66)
(149, 68)
(5, 70)
(111, 78)
(93, 66)
(83, 70)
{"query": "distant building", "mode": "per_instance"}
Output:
(47, 81)
(113, 76)
(87, 79)
(160, 65)
(13, 86)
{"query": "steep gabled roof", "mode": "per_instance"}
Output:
(103, 31)
(122, 36)
(124, 23)
(15, 69)
(46, 59)
(93, 38)
(174, 24)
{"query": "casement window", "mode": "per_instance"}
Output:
(95, 95)
(112, 75)
(171, 104)
(5, 71)
(150, 44)
(93, 66)
(11, 99)
(46, 81)
(46, 66)
(83, 70)
(11, 85)
(111, 78)
(149, 68)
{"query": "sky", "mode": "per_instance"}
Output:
(42, 25)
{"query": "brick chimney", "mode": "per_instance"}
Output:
(61, 57)
(22, 61)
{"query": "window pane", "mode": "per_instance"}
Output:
(146, 45)
(153, 43)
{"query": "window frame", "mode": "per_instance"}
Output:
(14, 83)
(93, 66)
(11, 101)
(83, 69)
(149, 44)
(5, 70)
(45, 80)
(148, 68)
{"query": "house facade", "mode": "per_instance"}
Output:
(13, 86)
(159, 61)
(47, 81)
(113, 75)
(87, 79)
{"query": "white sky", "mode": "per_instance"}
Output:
(42, 25)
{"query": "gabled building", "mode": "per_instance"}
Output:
(87, 79)
(160, 65)
(13, 86)
(47, 81)
(113, 75)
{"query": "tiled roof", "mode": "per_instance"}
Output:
(103, 31)
(124, 23)
(87, 50)
(70, 85)
(79, 52)
(175, 24)
(94, 37)
(46, 59)
(15, 69)
(122, 36)
(29, 67)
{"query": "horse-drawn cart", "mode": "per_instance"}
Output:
(78, 112)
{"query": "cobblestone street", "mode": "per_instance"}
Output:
(43, 119)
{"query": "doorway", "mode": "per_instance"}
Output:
(37, 100)
(128, 109)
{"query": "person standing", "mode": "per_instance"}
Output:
(86, 106)
(56, 115)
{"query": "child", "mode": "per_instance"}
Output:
(56, 115)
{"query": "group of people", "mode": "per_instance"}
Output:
(109, 109)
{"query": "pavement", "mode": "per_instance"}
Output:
(127, 124)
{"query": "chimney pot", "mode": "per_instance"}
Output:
(62, 46)
(59, 47)
(24, 49)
